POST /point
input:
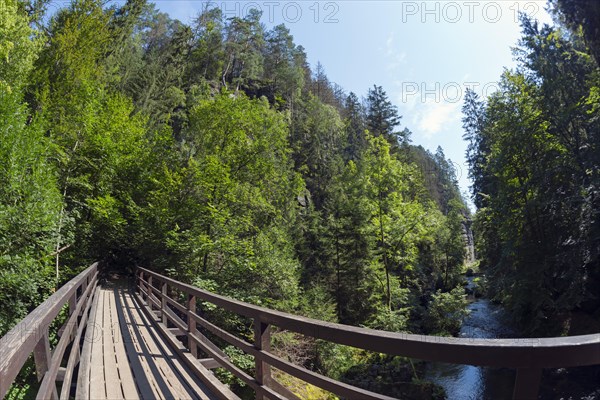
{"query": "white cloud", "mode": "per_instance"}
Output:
(434, 116)
(395, 58)
(389, 44)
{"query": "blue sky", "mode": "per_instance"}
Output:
(424, 53)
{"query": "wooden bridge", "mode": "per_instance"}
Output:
(143, 342)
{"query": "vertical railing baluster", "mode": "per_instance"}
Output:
(191, 306)
(140, 283)
(262, 341)
(163, 303)
(84, 285)
(149, 292)
(72, 302)
(42, 355)
(72, 306)
(527, 384)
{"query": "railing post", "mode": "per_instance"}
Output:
(527, 384)
(149, 292)
(163, 303)
(72, 306)
(73, 302)
(85, 284)
(191, 306)
(140, 283)
(42, 356)
(262, 341)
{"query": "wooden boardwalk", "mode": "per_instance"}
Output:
(125, 357)
(145, 343)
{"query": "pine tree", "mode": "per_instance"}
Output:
(355, 127)
(383, 118)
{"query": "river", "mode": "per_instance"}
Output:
(466, 382)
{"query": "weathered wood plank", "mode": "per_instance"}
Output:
(127, 382)
(192, 326)
(42, 356)
(166, 383)
(75, 355)
(314, 378)
(527, 384)
(262, 341)
(110, 335)
(97, 382)
(208, 363)
(19, 342)
(177, 373)
(218, 389)
(48, 386)
(83, 380)
(191, 378)
(133, 347)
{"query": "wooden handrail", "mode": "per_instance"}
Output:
(31, 336)
(527, 356)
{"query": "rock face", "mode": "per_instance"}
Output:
(468, 239)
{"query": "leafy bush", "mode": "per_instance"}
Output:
(446, 312)
(242, 361)
(390, 320)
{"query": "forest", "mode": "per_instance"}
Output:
(215, 154)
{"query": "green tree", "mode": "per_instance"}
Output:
(446, 312)
(244, 42)
(99, 148)
(354, 114)
(237, 189)
(584, 14)
(281, 68)
(399, 219)
(317, 138)
(29, 198)
(157, 85)
(383, 118)
(350, 239)
(450, 244)
(207, 55)
(534, 158)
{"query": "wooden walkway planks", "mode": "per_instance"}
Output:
(125, 357)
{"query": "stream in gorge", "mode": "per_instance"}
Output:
(466, 382)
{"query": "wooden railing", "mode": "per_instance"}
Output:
(31, 335)
(527, 356)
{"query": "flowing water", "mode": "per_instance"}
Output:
(466, 382)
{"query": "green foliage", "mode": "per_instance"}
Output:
(29, 199)
(394, 376)
(316, 303)
(390, 320)
(244, 41)
(242, 361)
(228, 227)
(382, 117)
(337, 359)
(17, 49)
(534, 157)
(317, 140)
(281, 66)
(398, 218)
(120, 141)
(481, 285)
(446, 311)
(582, 15)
